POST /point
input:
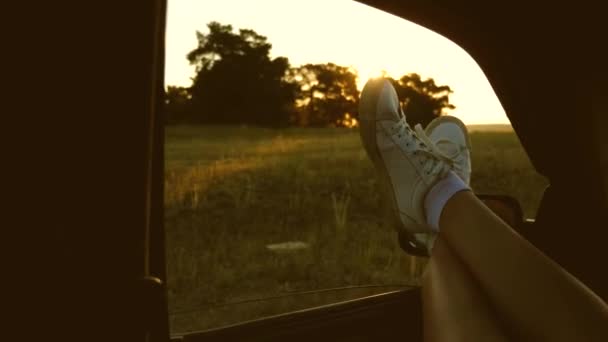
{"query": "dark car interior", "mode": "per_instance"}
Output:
(98, 268)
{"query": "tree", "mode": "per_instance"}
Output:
(236, 81)
(422, 101)
(177, 101)
(327, 93)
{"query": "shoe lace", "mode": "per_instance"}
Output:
(428, 156)
(457, 159)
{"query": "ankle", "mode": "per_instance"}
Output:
(438, 197)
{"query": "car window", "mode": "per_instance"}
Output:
(271, 203)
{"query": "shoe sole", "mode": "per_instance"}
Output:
(368, 105)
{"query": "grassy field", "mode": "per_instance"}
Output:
(232, 191)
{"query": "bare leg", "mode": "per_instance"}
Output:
(453, 305)
(539, 299)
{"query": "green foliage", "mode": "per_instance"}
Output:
(326, 93)
(422, 100)
(176, 103)
(237, 82)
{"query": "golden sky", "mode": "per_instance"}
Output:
(344, 32)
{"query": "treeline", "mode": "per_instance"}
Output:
(236, 82)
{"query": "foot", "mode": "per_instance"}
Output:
(450, 136)
(409, 166)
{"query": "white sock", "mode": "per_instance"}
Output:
(439, 195)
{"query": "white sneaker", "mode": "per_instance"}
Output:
(450, 136)
(409, 167)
